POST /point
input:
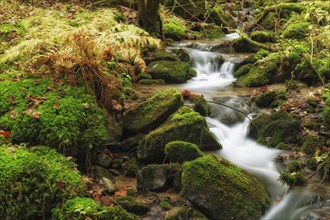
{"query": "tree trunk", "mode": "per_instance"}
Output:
(148, 15)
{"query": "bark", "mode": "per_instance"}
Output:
(148, 15)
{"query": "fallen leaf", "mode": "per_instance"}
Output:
(121, 192)
(5, 133)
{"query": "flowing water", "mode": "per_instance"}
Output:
(215, 76)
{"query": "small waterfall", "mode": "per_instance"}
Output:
(227, 69)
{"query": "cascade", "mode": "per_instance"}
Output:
(214, 74)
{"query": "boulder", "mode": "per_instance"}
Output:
(159, 177)
(221, 190)
(170, 71)
(180, 151)
(152, 112)
(108, 186)
(184, 125)
(200, 105)
(159, 55)
(272, 129)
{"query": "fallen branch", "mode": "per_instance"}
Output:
(255, 43)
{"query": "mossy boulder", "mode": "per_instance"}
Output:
(152, 112)
(159, 177)
(243, 46)
(297, 31)
(200, 105)
(262, 72)
(243, 70)
(311, 143)
(81, 208)
(170, 71)
(160, 55)
(184, 125)
(221, 190)
(265, 99)
(272, 129)
(218, 16)
(35, 180)
(263, 36)
(180, 151)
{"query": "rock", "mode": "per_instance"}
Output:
(104, 160)
(152, 112)
(188, 9)
(115, 129)
(272, 129)
(158, 178)
(184, 125)
(200, 105)
(130, 167)
(114, 172)
(221, 190)
(100, 172)
(126, 145)
(170, 71)
(117, 164)
(159, 55)
(108, 185)
(180, 151)
(265, 99)
(130, 204)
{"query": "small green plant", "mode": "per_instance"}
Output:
(126, 83)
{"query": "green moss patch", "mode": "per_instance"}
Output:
(174, 29)
(33, 181)
(180, 151)
(297, 30)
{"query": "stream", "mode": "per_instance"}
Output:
(230, 127)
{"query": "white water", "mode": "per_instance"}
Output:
(237, 147)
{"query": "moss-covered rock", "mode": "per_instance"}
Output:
(174, 29)
(180, 151)
(160, 55)
(159, 177)
(131, 167)
(218, 16)
(170, 71)
(188, 9)
(152, 112)
(33, 181)
(200, 105)
(272, 129)
(243, 70)
(81, 208)
(266, 98)
(262, 72)
(296, 30)
(184, 125)
(152, 81)
(243, 46)
(130, 204)
(263, 36)
(221, 190)
(311, 143)
(39, 111)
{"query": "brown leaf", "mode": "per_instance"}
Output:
(121, 192)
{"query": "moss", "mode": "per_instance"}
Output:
(296, 30)
(311, 163)
(165, 205)
(310, 144)
(86, 208)
(182, 213)
(233, 192)
(262, 72)
(275, 128)
(293, 179)
(130, 204)
(243, 46)
(265, 99)
(200, 105)
(180, 151)
(214, 31)
(326, 110)
(263, 36)
(39, 111)
(34, 181)
(144, 76)
(242, 70)
(218, 16)
(293, 166)
(131, 167)
(174, 29)
(170, 71)
(185, 125)
(291, 84)
(152, 81)
(152, 112)
(283, 146)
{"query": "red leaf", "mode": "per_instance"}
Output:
(121, 192)
(5, 133)
(108, 153)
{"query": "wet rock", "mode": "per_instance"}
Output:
(159, 177)
(265, 99)
(152, 112)
(114, 172)
(170, 71)
(130, 167)
(117, 164)
(200, 105)
(185, 125)
(130, 204)
(126, 145)
(221, 190)
(159, 55)
(272, 129)
(104, 160)
(180, 151)
(108, 186)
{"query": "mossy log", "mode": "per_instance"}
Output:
(255, 43)
(276, 8)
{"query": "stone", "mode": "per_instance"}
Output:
(221, 190)
(104, 160)
(152, 112)
(184, 125)
(108, 186)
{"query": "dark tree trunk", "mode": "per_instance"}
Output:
(149, 18)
